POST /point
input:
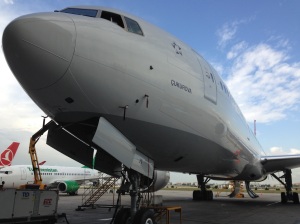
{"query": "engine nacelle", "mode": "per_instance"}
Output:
(68, 186)
(159, 181)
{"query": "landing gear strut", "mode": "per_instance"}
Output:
(202, 194)
(250, 192)
(134, 178)
(289, 195)
(134, 214)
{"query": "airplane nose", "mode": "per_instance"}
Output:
(39, 48)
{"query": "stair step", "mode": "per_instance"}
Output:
(92, 196)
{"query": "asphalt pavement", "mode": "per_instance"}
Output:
(222, 210)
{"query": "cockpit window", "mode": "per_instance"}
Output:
(82, 12)
(113, 17)
(133, 26)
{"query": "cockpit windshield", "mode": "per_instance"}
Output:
(124, 22)
(82, 12)
(133, 26)
(113, 17)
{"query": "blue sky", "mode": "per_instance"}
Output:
(254, 45)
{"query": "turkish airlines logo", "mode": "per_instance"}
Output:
(6, 157)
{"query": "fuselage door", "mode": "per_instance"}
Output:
(23, 173)
(210, 87)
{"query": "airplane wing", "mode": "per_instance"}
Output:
(55, 183)
(80, 181)
(274, 164)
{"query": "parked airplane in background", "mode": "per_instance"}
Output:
(64, 179)
(8, 154)
(140, 96)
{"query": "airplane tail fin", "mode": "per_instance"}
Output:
(8, 154)
(42, 163)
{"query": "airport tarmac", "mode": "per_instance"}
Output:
(222, 210)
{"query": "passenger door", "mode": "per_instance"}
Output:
(210, 87)
(23, 173)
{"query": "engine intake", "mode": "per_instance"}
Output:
(68, 186)
(159, 181)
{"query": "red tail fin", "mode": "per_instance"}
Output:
(42, 163)
(8, 154)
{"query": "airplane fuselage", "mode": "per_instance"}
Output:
(18, 175)
(157, 91)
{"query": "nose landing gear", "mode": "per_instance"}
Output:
(134, 214)
(144, 216)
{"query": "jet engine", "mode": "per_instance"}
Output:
(68, 186)
(160, 180)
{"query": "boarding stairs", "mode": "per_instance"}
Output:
(93, 193)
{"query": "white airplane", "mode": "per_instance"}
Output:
(64, 179)
(144, 99)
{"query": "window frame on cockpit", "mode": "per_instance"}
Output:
(122, 21)
(127, 20)
(113, 16)
(96, 11)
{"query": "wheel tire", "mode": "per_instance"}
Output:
(210, 195)
(123, 216)
(144, 216)
(295, 198)
(206, 195)
(283, 198)
(196, 195)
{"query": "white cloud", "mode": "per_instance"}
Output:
(236, 50)
(10, 2)
(280, 151)
(218, 67)
(5, 18)
(261, 78)
(279, 42)
(17, 109)
(227, 33)
(295, 151)
(262, 81)
(277, 151)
